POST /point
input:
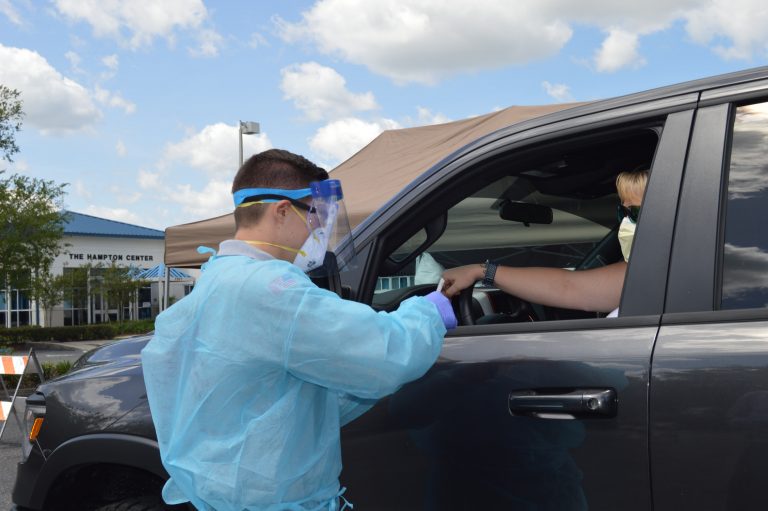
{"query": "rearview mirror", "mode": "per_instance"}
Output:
(525, 212)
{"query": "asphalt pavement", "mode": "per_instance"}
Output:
(10, 443)
(10, 455)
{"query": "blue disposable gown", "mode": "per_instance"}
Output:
(250, 377)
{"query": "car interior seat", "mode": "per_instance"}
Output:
(605, 251)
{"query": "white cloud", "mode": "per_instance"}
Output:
(119, 214)
(138, 22)
(342, 138)
(558, 91)
(81, 190)
(52, 102)
(10, 12)
(214, 199)
(423, 41)
(741, 22)
(321, 92)
(148, 180)
(214, 149)
(122, 196)
(74, 61)
(257, 40)
(426, 117)
(21, 165)
(210, 43)
(120, 148)
(638, 17)
(619, 50)
(114, 100)
(111, 62)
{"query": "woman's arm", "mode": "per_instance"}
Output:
(597, 289)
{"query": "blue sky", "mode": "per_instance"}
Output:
(136, 103)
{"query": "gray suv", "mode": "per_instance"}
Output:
(531, 407)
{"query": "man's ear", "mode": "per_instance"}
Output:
(281, 210)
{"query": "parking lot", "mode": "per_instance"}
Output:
(10, 455)
(10, 450)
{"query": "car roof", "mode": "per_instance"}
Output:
(660, 93)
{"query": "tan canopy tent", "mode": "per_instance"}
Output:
(369, 178)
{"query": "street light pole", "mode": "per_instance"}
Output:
(247, 128)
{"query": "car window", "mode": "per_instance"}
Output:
(476, 231)
(559, 210)
(745, 241)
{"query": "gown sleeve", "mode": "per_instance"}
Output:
(348, 346)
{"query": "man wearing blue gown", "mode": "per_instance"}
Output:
(251, 376)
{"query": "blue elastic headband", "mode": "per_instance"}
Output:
(240, 195)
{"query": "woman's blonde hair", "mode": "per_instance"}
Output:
(632, 182)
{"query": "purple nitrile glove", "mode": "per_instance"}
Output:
(443, 305)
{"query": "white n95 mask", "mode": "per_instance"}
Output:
(626, 235)
(311, 255)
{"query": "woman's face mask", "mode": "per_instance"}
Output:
(626, 235)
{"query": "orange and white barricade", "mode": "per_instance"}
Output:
(18, 365)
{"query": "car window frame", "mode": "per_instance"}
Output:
(694, 255)
(423, 190)
(723, 208)
(695, 284)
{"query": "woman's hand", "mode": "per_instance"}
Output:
(460, 278)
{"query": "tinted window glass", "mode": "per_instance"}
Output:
(745, 251)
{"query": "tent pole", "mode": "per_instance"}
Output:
(166, 290)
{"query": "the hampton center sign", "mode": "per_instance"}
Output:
(110, 257)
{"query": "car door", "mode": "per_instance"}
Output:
(549, 414)
(709, 390)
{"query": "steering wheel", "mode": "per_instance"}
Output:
(521, 310)
(465, 306)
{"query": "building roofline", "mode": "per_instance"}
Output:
(154, 234)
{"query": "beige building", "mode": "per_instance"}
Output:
(94, 241)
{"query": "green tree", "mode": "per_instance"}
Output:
(120, 288)
(76, 286)
(10, 121)
(31, 227)
(117, 285)
(48, 290)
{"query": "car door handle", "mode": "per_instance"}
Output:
(574, 404)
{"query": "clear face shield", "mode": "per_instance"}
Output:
(332, 220)
(326, 219)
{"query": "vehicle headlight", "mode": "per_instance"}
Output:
(34, 417)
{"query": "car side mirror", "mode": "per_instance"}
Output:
(525, 212)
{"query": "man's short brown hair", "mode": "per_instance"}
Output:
(274, 168)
